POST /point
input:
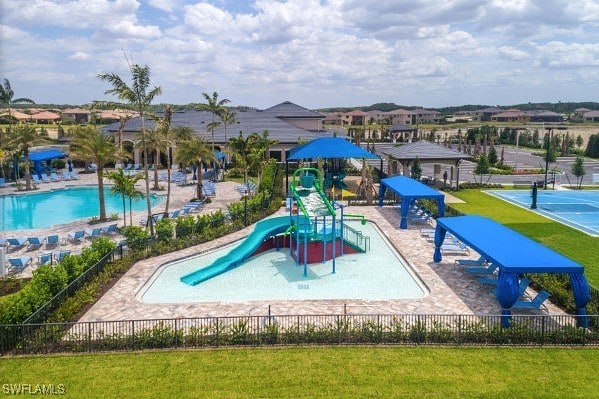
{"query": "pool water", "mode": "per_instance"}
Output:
(379, 274)
(46, 209)
(578, 209)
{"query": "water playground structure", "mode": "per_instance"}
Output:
(315, 230)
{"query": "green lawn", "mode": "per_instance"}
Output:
(317, 372)
(566, 240)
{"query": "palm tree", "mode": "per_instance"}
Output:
(195, 151)
(228, 118)
(241, 148)
(138, 95)
(155, 142)
(21, 140)
(124, 185)
(172, 137)
(90, 144)
(214, 106)
(6, 97)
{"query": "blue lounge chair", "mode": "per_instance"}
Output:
(76, 236)
(19, 263)
(92, 167)
(94, 233)
(52, 241)
(482, 270)
(44, 259)
(60, 255)
(45, 178)
(111, 228)
(129, 166)
(74, 176)
(471, 262)
(2, 182)
(522, 286)
(54, 177)
(66, 176)
(35, 242)
(36, 179)
(459, 247)
(534, 303)
(16, 243)
(136, 166)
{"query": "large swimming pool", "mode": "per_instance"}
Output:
(578, 209)
(379, 274)
(46, 209)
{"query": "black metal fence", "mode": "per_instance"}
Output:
(284, 330)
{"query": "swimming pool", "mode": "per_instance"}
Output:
(46, 209)
(578, 209)
(379, 274)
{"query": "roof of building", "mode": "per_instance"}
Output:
(287, 109)
(45, 115)
(423, 150)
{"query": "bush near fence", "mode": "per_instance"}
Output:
(340, 329)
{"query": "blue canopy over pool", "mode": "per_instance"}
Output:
(514, 254)
(409, 190)
(329, 148)
(46, 155)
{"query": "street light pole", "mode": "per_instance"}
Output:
(548, 137)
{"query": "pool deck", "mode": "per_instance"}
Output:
(451, 290)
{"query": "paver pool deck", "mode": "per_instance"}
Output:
(450, 289)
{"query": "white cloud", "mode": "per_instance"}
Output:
(79, 56)
(513, 53)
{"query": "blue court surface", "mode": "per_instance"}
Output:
(578, 209)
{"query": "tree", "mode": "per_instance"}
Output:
(578, 171)
(492, 156)
(6, 97)
(124, 185)
(228, 118)
(155, 143)
(90, 144)
(214, 106)
(592, 146)
(579, 142)
(241, 147)
(20, 140)
(416, 169)
(195, 151)
(139, 95)
(482, 166)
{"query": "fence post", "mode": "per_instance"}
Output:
(89, 336)
(176, 335)
(132, 334)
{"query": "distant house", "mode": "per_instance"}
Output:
(77, 115)
(332, 118)
(355, 118)
(45, 117)
(16, 115)
(297, 116)
(424, 116)
(399, 117)
(511, 115)
(544, 116)
(591, 116)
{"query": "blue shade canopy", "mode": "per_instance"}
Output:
(409, 190)
(514, 254)
(329, 148)
(46, 155)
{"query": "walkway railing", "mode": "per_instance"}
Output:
(356, 238)
(553, 330)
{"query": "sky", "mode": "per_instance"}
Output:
(315, 53)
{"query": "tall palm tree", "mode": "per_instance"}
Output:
(214, 106)
(90, 144)
(139, 95)
(6, 97)
(241, 148)
(155, 143)
(228, 118)
(124, 185)
(172, 136)
(21, 139)
(195, 151)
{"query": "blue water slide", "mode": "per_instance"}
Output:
(237, 256)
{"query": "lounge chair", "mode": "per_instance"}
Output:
(54, 177)
(92, 167)
(459, 247)
(93, 233)
(174, 214)
(129, 166)
(534, 303)
(74, 176)
(36, 179)
(522, 286)
(60, 255)
(16, 243)
(66, 176)
(19, 263)
(45, 178)
(52, 241)
(44, 259)
(76, 236)
(35, 242)
(490, 269)
(2, 182)
(136, 166)
(111, 228)
(471, 262)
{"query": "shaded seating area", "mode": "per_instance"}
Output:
(513, 254)
(410, 190)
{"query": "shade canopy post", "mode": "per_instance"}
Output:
(507, 294)
(439, 238)
(580, 287)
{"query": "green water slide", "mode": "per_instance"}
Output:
(263, 230)
(306, 187)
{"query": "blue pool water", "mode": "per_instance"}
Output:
(578, 209)
(379, 274)
(46, 209)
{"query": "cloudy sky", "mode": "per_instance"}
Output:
(316, 53)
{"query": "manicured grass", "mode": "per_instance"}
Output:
(317, 372)
(570, 242)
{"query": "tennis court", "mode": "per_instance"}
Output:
(578, 209)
